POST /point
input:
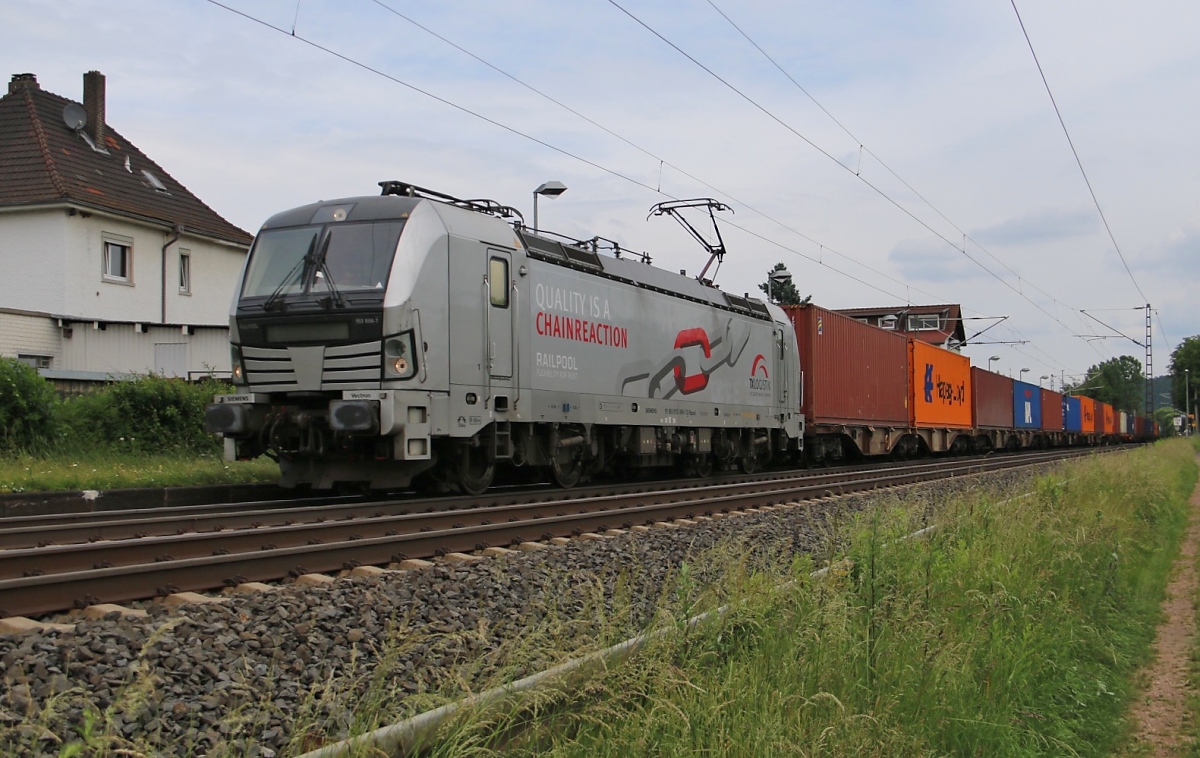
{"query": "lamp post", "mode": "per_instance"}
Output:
(777, 277)
(993, 358)
(1187, 398)
(1021, 375)
(548, 189)
(1043, 378)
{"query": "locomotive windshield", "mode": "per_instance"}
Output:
(299, 260)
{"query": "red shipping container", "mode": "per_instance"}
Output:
(854, 373)
(992, 399)
(1052, 411)
(941, 387)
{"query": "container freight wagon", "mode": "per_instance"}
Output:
(992, 409)
(1087, 407)
(854, 393)
(940, 397)
(1125, 426)
(1108, 417)
(1027, 411)
(1072, 415)
(1052, 416)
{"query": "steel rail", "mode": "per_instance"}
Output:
(48, 593)
(41, 531)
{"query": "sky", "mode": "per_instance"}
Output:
(885, 152)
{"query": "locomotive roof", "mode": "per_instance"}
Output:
(364, 208)
(466, 222)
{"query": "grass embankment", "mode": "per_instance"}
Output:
(1011, 629)
(147, 432)
(111, 470)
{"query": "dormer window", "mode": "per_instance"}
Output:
(924, 322)
(887, 322)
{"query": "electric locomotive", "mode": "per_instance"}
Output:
(417, 338)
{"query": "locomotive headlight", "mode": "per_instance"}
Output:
(235, 361)
(400, 361)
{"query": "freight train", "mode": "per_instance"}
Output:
(414, 338)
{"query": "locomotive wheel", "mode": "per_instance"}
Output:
(476, 470)
(566, 466)
(702, 465)
(750, 462)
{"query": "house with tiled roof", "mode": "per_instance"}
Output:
(940, 325)
(110, 266)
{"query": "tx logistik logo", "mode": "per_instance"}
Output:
(756, 384)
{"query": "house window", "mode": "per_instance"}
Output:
(887, 322)
(924, 322)
(185, 272)
(118, 260)
(37, 361)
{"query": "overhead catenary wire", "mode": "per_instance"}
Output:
(371, 69)
(662, 161)
(864, 180)
(1078, 161)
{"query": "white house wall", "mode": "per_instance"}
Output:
(32, 256)
(53, 274)
(215, 270)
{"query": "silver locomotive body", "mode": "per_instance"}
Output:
(380, 339)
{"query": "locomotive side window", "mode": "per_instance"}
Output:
(498, 282)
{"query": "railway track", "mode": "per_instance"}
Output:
(52, 564)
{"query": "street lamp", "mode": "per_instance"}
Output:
(549, 189)
(1187, 398)
(1043, 378)
(1021, 375)
(779, 277)
(993, 358)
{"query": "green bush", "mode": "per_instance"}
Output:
(150, 414)
(27, 402)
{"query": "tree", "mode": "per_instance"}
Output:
(784, 293)
(1186, 356)
(1117, 381)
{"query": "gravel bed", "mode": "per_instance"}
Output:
(245, 677)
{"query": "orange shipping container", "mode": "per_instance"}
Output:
(941, 387)
(1110, 418)
(1087, 411)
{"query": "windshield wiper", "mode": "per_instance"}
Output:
(334, 295)
(303, 263)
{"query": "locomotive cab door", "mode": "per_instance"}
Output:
(499, 311)
(781, 379)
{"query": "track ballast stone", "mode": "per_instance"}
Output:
(245, 677)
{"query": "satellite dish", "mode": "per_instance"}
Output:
(74, 116)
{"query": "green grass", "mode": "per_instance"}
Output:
(1013, 629)
(113, 470)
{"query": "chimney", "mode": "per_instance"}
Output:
(93, 106)
(21, 81)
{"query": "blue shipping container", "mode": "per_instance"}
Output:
(1027, 405)
(1072, 415)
